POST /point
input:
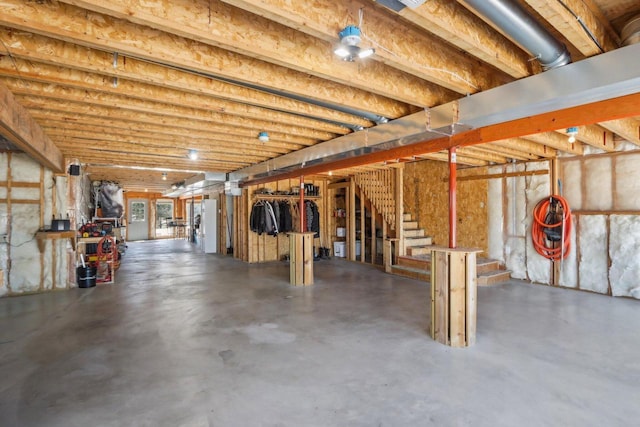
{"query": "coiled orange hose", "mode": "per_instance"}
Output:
(541, 243)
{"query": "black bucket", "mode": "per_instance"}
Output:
(86, 276)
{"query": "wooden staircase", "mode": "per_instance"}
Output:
(416, 264)
(489, 271)
(379, 188)
(416, 242)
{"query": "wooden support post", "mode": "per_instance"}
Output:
(363, 234)
(452, 197)
(453, 296)
(301, 204)
(301, 258)
(400, 247)
(351, 212)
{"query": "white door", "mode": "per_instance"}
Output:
(209, 226)
(138, 226)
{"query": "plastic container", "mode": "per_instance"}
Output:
(341, 231)
(339, 249)
(86, 276)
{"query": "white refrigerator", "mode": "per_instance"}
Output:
(209, 226)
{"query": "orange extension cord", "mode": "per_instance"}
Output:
(540, 241)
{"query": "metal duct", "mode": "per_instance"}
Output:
(610, 75)
(631, 32)
(518, 25)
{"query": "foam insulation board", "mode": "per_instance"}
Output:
(571, 183)
(627, 185)
(593, 248)
(496, 220)
(624, 241)
(538, 267)
(597, 177)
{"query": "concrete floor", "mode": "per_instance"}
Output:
(186, 339)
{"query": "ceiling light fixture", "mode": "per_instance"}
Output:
(348, 49)
(193, 154)
(164, 176)
(572, 132)
(174, 186)
(263, 136)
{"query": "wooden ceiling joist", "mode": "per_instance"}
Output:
(76, 111)
(68, 144)
(61, 120)
(417, 53)
(91, 156)
(19, 127)
(452, 22)
(557, 141)
(629, 129)
(51, 94)
(76, 25)
(27, 46)
(108, 136)
(528, 147)
(93, 84)
(508, 153)
(588, 34)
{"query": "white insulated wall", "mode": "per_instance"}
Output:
(603, 192)
(25, 268)
(511, 203)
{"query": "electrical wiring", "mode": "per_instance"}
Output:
(552, 225)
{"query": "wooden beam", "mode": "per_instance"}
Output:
(589, 34)
(557, 141)
(628, 129)
(75, 112)
(308, 54)
(57, 95)
(59, 53)
(452, 22)
(529, 147)
(222, 155)
(444, 157)
(79, 26)
(416, 52)
(81, 123)
(594, 136)
(505, 151)
(68, 84)
(472, 152)
(107, 136)
(17, 125)
(128, 160)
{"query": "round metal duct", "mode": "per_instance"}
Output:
(631, 32)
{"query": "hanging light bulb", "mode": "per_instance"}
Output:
(572, 132)
(348, 49)
(193, 154)
(164, 176)
(263, 136)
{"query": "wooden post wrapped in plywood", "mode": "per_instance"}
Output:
(453, 296)
(301, 258)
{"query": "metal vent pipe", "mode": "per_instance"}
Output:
(518, 25)
(631, 32)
